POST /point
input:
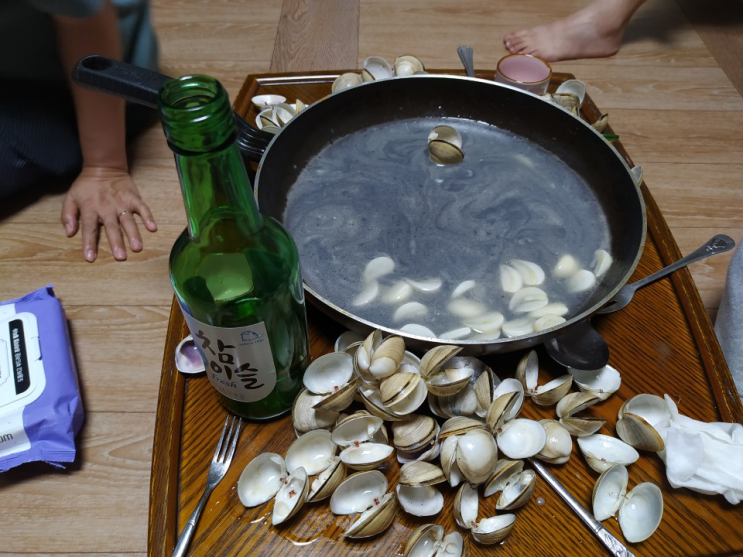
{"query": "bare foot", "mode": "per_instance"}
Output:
(596, 31)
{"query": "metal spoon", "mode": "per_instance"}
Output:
(580, 347)
(466, 56)
(718, 244)
(617, 548)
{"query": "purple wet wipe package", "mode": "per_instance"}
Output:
(40, 407)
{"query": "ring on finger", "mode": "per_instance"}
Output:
(122, 213)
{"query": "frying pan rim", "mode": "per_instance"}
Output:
(491, 346)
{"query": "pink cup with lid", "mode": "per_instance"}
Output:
(524, 71)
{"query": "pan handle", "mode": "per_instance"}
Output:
(142, 86)
(133, 83)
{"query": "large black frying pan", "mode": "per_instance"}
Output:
(435, 96)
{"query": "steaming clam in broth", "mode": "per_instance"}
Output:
(447, 233)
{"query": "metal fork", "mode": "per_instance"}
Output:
(217, 469)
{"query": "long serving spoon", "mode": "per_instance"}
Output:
(717, 244)
(617, 548)
(467, 58)
(583, 347)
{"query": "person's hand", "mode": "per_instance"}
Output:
(108, 197)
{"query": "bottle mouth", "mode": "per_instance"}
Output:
(196, 113)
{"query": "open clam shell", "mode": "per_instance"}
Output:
(345, 340)
(601, 382)
(376, 68)
(448, 459)
(327, 481)
(372, 400)
(407, 65)
(291, 497)
(328, 373)
(346, 81)
(573, 403)
(603, 451)
(366, 456)
(313, 451)
(420, 500)
(494, 529)
(403, 392)
(428, 540)
(553, 391)
(505, 468)
(463, 403)
(261, 479)
(640, 420)
(459, 425)
(375, 519)
(356, 428)
(187, 357)
(466, 505)
(387, 357)
(517, 490)
(358, 492)
(306, 418)
(640, 510)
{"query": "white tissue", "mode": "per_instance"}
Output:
(704, 457)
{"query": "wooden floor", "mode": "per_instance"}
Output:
(676, 110)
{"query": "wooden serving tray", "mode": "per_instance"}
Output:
(662, 342)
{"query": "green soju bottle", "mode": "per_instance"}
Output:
(235, 272)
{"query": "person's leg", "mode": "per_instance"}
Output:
(38, 136)
(596, 31)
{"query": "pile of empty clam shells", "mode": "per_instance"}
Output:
(276, 116)
(376, 68)
(452, 420)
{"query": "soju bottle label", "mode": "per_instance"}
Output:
(239, 363)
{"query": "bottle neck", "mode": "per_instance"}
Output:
(215, 186)
(198, 122)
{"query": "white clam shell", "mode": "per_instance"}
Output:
(565, 267)
(463, 287)
(581, 281)
(325, 483)
(407, 65)
(398, 293)
(187, 357)
(345, 340)
(358, 428)
(554, 308)
(290, 497)
(477, 454)
(517, 490)
(528, 299)
(367, 295)
(601, 262)
(493, 529)
(511, 385)
(376, 68)
(464, 308)
(487, 323)
(427, 285)
(608, 492)
(328, 373)
(518, 327)
(466, 506)
(410, 310)
(312, 452)
(531, 273)
(262, 102)
(547, 322)
(603, 451)
(365, 456)
(521, 438)
(358, 492)
(375, 519)
(456, 334)
(346, 81)
(574, 86)
(420, 501)
(378, 267)
(261, 479)
(417, 330)
(642, 512)
(600, 382)
(510, 279)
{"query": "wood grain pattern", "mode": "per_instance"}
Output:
(674, 352)
(692, 163)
